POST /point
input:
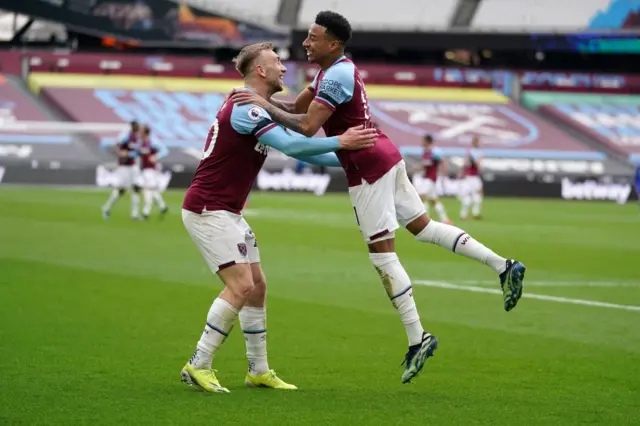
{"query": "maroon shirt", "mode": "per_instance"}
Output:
(340, 88)
(129, 144)
(231, 160)
(471, 166)
(431, 161)
(147, 154)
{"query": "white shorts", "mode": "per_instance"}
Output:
(149, 179)
(127, 176)
(427, 188)
(472, 185)
(223, 238)
(382, 206)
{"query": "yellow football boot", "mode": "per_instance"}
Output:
(205, 379)
(267, 380)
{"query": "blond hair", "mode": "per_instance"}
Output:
(248, 54)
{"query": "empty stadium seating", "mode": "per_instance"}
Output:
(516, 15)
(364, 14)
(258, 11)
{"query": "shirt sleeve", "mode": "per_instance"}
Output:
(437, 154)
(336, 86)
(314, 83)
(161, 150)
(251, 120)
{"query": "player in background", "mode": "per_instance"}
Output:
(150, 152)
(637, 181)
(380, 190)
(235, 150)
(471, 187)
(128, 172)
(432, 163)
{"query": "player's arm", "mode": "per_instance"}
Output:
(161, 150)
(336, 87)
(329, 160)
(253, 120)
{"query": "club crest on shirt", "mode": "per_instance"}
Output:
(242, 248)
(255, 114)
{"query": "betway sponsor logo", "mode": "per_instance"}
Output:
(592, 190)
(523, 165)
(109, 178)
(19, 151)
(287, 180)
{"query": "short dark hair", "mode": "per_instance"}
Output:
(337, 25)
(428, 138)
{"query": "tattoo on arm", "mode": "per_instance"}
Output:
(283, 105)
(294, 122)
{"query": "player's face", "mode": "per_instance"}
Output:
(426, 143)
(476, 142)
(318, 44)
(273, 70)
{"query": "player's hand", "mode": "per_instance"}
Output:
(358, 138)
(243, 97)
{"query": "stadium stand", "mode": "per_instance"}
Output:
(259, 11)
(524, 15)
(424, 16)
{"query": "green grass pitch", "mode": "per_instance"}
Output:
(97, 318)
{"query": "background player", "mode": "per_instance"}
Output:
(235, 150)
(128, 172)
(432, 164)
(381, 193)
(471, 187)
(150, 152)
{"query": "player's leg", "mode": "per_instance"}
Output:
(147, 188)
(134, 176)
(477, 197)
(117, 192)
(221, 243)
(253, 320)
(375, 214)
(432, 196)
(465, 198)
(157, 193)
(412, 216)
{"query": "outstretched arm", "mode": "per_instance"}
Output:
(329, 160)
(295, 146)
(307, 124)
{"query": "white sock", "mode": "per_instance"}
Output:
(455, 239)
(220, 320)
(477, 204)
(398, 286)
(115, 196)
(466, 203)
(148, 200)
(158, 197)
(254, 326)
(442, 213)
(135, 204)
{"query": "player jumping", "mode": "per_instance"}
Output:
(432, 164)
(128, 172)
(234, 152)
(380, 190)
(471, 183)
(150, 152)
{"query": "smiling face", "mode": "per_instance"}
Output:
(319, 44)
(270, 67)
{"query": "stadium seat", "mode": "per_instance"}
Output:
(262, 12)
(516, 15)
(364, 15)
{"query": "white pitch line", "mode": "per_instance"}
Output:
(559, 283)
(526, 295)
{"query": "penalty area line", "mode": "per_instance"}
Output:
(525, 295)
